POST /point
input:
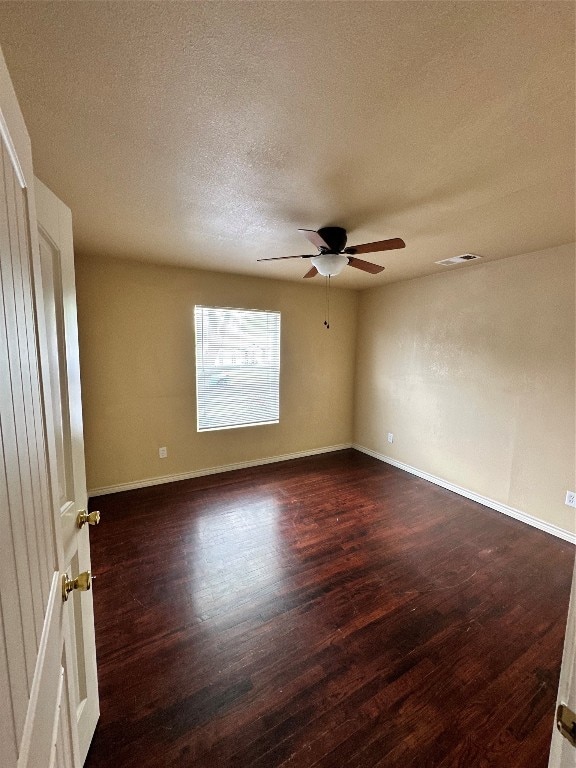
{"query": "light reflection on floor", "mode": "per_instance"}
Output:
(237, 553)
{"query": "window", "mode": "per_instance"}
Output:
(237, 367)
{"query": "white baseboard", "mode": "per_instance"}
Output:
(524, 517)
(146, 482)
(535, 522)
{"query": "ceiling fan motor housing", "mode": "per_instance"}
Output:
(334, 237)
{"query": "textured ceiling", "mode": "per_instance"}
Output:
(206, 133)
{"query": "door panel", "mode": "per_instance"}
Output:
(51, 283)
(38, 744)
(57, 260)
(64, 744)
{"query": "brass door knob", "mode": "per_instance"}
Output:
(82, 583)
(92, 518)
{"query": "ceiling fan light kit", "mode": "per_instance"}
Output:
(329, 264)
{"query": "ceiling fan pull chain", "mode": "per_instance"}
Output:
(327, 304)
(326, 301)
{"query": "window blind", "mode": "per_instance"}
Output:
(237, 367)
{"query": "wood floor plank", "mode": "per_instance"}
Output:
(323, 612)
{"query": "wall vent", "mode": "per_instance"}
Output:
(458, 259)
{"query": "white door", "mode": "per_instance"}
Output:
(37, 727)
(562, 752)
(57, 263)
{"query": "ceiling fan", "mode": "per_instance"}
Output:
(333, 255)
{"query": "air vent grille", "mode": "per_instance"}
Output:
(458, 259)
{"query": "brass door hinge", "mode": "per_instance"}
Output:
(566, 722)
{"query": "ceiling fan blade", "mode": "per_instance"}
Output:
(380, 245)
(312, 273)
(277, 258)
(365, 266)
(314, 238)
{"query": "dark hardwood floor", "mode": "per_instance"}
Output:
(333, 612)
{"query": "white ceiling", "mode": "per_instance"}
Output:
(206, 133)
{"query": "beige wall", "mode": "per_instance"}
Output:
(472, 370)
(136, 326)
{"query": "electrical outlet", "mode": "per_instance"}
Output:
(163, 452)
(570, 498)
(390, 437)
